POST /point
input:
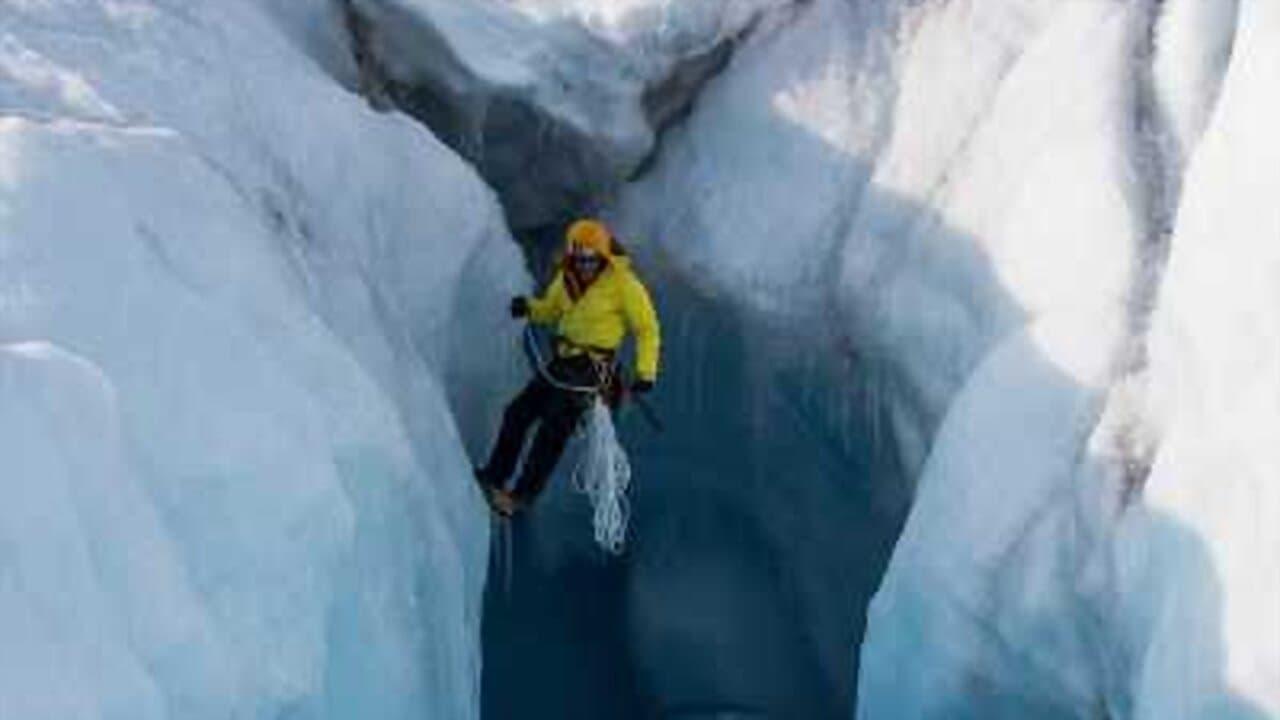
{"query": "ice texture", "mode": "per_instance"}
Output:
(984, 208)
(976, 200)
(1204, 602)
(249, 323)
(556, 102)
(229, 297)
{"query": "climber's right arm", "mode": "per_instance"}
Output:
(547, 309)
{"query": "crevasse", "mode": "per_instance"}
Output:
(969, 306)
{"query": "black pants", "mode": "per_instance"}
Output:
(556, 411)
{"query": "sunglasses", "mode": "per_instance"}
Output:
(586, 259)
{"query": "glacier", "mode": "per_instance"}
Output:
(236, 477)
(969, 316)
(1000, 206)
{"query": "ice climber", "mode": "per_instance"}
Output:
(592, 301)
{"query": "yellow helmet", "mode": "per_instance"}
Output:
(589, 234)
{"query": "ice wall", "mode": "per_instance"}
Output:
(1203, 620)
(743, 403)
(228, 303)
(556, 102)
(1105, 593)
(1026, 244)
(986, 193)
(951, 216)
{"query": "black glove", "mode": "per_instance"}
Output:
(640, 387)
(519, 307)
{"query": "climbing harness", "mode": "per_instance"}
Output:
(539, 366)
(606, 372)
(603, 472)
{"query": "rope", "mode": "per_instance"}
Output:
(603, 472)
(535, 359)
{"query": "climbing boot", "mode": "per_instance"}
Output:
(504, 503)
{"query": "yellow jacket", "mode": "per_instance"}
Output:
(615, 302)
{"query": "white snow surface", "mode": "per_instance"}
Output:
(229, 296)
(551, 98)
(1211, 629)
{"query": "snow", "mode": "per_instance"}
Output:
(1000, 242)
(806, 103)
(229, 292)
(553, 100)
(1193, 48)
(1213, 629)
(930, 184)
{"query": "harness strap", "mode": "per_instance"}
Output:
(602, 368)
(568, 348)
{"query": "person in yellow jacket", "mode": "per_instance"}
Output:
(592, 302)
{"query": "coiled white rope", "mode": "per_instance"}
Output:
(603, 474)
